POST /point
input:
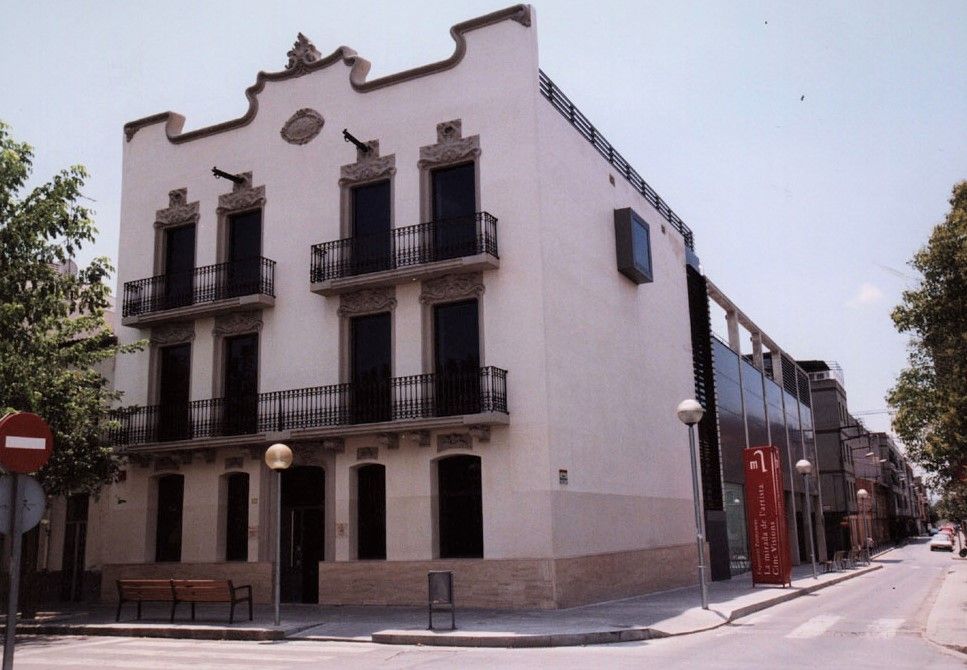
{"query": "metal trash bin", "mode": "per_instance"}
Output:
(440, 595)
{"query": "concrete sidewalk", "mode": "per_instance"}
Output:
(663, 614)
(947, 622)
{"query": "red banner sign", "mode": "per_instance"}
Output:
(766, 516)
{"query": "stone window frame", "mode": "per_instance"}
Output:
(179, 212)
(453, 287)
(243, 198)
(451, 149)
(230, 325)
(167, 335)
(364, 302)
(369, 168)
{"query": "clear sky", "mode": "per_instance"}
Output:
(811, 146)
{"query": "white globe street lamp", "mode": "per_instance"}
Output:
(278, 457)
(690, 412)
(863, 495)
(805, 468)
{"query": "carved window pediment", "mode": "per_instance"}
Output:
(243, 197)
(367, 301)
(179, 211)
(172, 333)
(369, 166)
(452, 287)
(237, 323)
(451, 146)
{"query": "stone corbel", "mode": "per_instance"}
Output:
(209, 455)
(421, 437)
(165, 463)
(186, 457)
(480, 433)
(256, 453)
(334, 444)
(388, 440)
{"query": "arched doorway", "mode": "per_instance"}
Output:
(303, 532)
(371, 512)
(460, 507)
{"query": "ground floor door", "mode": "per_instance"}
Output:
(75, 541)
(303, 533)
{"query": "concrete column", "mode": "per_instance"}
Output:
(757, 351)
(732, 321)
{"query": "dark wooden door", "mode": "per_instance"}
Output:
(241, 384)
(371, 235)
(454, 208)
(171, 489)
(174, 378)
(303, 533)
(371, 365)
(179, 266)
(371, 512)
(243, 271)
(456, 348)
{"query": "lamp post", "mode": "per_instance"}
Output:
(278, 457)
(690, 412)
(805, 468)
(863, 495)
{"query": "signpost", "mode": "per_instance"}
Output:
(25, 446)
(766, 516)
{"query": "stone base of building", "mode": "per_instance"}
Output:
(493, 583)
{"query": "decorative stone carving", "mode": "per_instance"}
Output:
(452, 287)
(369, 165)
(367, 453)
(421, 437)
(186, 457)
(302, 127)
(302, 53)
(451, 146)
(243, 196)
(172, 333)
(179, 211)
(367, 301)
(237, 323)
(453, 441)
(388, 440)
(141, 460)
(334, 444)
(306, 454)
(165, 463)
(481, 433)
(256, 453)
(234, 463)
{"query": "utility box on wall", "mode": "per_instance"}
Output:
(633, 245)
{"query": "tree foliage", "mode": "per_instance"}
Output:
(930, 395)
(53, 332)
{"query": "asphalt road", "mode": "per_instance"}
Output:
(872, 621)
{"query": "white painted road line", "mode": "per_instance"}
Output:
(814, 627)
(884, 629)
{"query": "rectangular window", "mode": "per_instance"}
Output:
(371, 229)
(370, 360)
(633, 246)
(454, 192)
(174, 377)
(243, 270)
(241, 386)
(456, 351)
(179, 266)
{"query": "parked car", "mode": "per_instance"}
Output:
(941, 541)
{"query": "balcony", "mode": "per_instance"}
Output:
(205, 291)
(403, 254)
(417, 402)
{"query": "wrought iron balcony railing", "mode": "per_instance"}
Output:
(402, 247)
(210, 283)
(394, 399)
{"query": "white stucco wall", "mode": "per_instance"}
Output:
(618, 358)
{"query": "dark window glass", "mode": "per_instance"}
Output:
(303, 532)
(371, 250)
(174, 376)
(236, 518)
(460, 507)
(168, 530)
(641, 246)
(456, 348)
(454, 207)
(371, 512)
(371, 365)
(244, 254)
(179, 266)
(241, 384)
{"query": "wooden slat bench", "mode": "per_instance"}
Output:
(176, 591)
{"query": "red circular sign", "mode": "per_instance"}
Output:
(26, 442)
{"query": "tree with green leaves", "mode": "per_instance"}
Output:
(53, 333)
(930, 395)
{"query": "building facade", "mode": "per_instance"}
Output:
(466, 314)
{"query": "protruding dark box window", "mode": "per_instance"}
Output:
(633, 245)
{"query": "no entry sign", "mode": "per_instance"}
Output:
(25, 442)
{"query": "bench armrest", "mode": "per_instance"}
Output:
(247, 587)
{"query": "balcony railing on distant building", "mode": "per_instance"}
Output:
(563, 104)
(395, 399)
(210, 283)
(403, 247)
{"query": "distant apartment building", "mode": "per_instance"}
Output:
(466, 314)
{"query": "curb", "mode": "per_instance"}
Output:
(171, 632)
(429, 638)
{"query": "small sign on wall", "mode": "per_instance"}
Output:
(562, 477)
